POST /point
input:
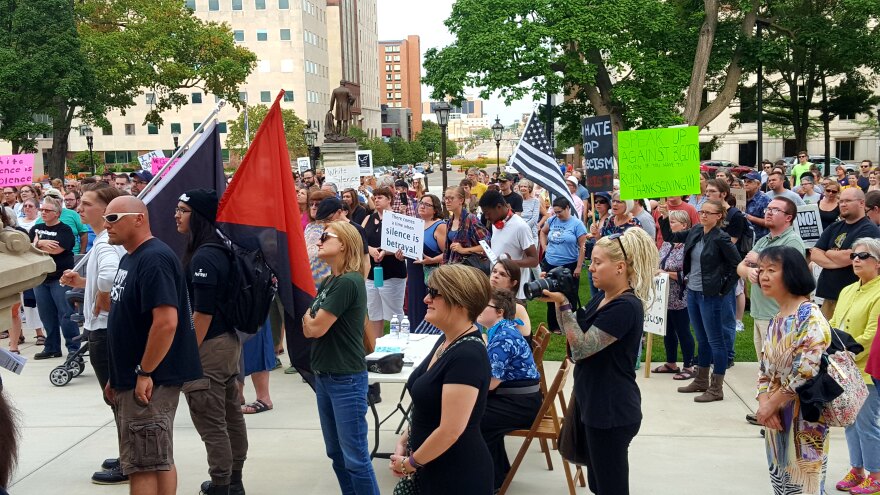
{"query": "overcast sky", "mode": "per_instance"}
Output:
(400, 18)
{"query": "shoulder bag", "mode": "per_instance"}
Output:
(842, 367)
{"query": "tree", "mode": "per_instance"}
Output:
(646, 74)
(483, 134)
(293, 131)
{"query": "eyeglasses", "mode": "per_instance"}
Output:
(47, 210)
(313, 205)
(832, 191)
(622, 250)
(802, 156)
(862, 256)
(774, 211)
(426, 205)
(115, 217)
(326, 235)
(433, 293)
(492, 306)
(28, 206)
(705, 213)
(138, 182)
(864, 166)
(181, 211)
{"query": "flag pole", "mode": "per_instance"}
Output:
(179, 151)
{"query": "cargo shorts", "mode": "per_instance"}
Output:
(146, 441)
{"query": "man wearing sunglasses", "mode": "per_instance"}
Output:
(802, 167)
(153, 349)
(835, 245)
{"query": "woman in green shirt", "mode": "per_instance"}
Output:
(336, 323)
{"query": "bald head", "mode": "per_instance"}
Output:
(127, 222)
(852, 204)
(853, 193)
(124, 204)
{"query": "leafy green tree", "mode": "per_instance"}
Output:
(382, 155)
(483, 134)
(293, 131)
(81, 162)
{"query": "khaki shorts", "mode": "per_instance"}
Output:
(146, 432)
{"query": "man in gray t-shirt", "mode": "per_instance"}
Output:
(776, 187)
(644, 216)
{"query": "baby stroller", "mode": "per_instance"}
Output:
(75, 363)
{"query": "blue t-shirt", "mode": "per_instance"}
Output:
(510, 356)
(562, 240)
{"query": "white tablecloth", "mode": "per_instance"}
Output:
(415, 351)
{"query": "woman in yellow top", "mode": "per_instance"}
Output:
(857, 312)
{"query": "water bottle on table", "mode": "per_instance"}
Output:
(404, 329)
(395, 327)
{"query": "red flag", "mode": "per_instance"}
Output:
(259, 211)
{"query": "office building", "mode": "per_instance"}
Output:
(400, 75)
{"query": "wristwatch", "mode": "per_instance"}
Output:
(140, 372)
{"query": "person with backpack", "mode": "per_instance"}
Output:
(213, 399)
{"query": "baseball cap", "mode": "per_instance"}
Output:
(572, 179)
(752, 176)
(144, 175)
(503, 176)
(603, 196)
(328, 207)
(202, 201)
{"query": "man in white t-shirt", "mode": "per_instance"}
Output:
(511, 235)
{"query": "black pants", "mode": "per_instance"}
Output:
(99, 356)
(552, 324)
(505, 413)
(608, 459)
(678, 331)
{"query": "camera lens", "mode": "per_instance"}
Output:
(536, 288)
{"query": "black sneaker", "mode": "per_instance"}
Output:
(752, 419)
(374, 394)
(209, 488)
(110, 464)
(113, 477)
(46, 355)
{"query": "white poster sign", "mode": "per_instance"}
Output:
(493, 258)
(402, 232)
(303, 163)
(808, 224)
(146, 160)
(740, 195)
(345, 177)
(655, 315)
(365, 162)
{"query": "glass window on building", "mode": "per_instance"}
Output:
(846, 149)
(283, 4)
(107, 130)
(151, 98)
(196, 97)
(175, 127)
(288, 96)
(262, 35)
(265, 96)
(242, 96)
(238, 35)
(129, 129)
(152, 129)
(285, 35)
(224, 154)
(236, 5)
(191, 4)
(260, 4)
(221, 127)
(213, 5)
(195, 125)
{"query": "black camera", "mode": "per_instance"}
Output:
(558, 279)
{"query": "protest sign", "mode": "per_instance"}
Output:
(655, 315)
(346, 176)
(16, 170)
(808, 224)
(365, 162)
(402, 232)
(146, 160)
(598, 153)
(303, 163)
(493, 258)
(156, 165)
(740, 195)
(656, 163)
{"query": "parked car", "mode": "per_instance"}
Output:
(710, 166)
(819, 160)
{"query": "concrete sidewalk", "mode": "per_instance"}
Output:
(682, 448)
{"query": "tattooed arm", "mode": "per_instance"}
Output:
(582, 344)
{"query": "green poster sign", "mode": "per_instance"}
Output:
(656, 163)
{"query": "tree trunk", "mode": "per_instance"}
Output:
(60, 133)
(694, 98)
(826, 118)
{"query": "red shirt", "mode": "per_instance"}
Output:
(684, 206)
(872, 367)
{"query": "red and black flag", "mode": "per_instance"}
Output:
(259, 211)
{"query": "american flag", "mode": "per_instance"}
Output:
(533, 158)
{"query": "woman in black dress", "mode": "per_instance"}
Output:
(444, 446)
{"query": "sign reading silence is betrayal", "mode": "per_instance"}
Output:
(16, 170)
(402, 232)
(598, 153)
(656, 163)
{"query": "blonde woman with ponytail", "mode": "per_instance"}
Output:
(604, 345)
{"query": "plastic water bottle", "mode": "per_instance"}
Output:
(395, 327)
(404, 329)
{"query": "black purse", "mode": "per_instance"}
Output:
(572, 436)
(478, 261)
(386, 365)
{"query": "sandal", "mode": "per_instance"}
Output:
(41, 340)
(4, 334)
(258, 406)
(685, 374)
(21, 340)
(665, 368)
(14, 351)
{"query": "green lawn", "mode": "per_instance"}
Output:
(745, 349)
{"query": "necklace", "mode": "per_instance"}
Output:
(442, 349)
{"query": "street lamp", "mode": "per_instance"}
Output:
(311, 136)
(497, 131)
(176, 136)
(87, 132)
(442, 110)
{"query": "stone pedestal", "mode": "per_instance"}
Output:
(22, 267)
(340, 165)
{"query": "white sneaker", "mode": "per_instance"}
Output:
(739, 326)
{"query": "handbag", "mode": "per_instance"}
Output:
(478, 261)
(572, 442)
(843, 410)
(408, 485)
(387, 365)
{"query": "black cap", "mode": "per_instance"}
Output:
(328, 207)
(202, 201)
(144, 175)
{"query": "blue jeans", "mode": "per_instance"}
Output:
(708, 316)
(342, 407)
(55, 313)
(863, 438)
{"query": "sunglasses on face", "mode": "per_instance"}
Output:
(622, 250)
(326, 235)
(802, 156)
(115, 217)
(47, 210)
(433, 293)
(862, 256)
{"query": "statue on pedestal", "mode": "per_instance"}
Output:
(336, 126)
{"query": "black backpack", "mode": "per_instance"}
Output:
(252, 288)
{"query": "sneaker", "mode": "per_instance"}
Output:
(850, 481)
(752, 419)
(290, 371)
(113, 477)
(739, 326)
(869, 485)
(234, 488)
(46, 355)
(110, 464)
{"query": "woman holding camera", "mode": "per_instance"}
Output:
(563, 238)
(604, 344)
(710, 261)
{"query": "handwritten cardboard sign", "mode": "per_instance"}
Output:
(598, 153)
(156, 165)
(303, 163)
(365, 162)
(656, 163)
(344, 177)
(16, 170)
(146, 160)
(808, 224)
(403, 232)
(655, 315)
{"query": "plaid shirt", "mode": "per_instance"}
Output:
(469, 234)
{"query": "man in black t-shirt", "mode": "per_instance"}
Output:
(835, 245)
(214, 398)
(153, 349)
(505, 184)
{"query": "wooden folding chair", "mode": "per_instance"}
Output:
(546, 426)
(540, 341)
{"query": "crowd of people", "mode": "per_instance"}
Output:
(481, 380)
